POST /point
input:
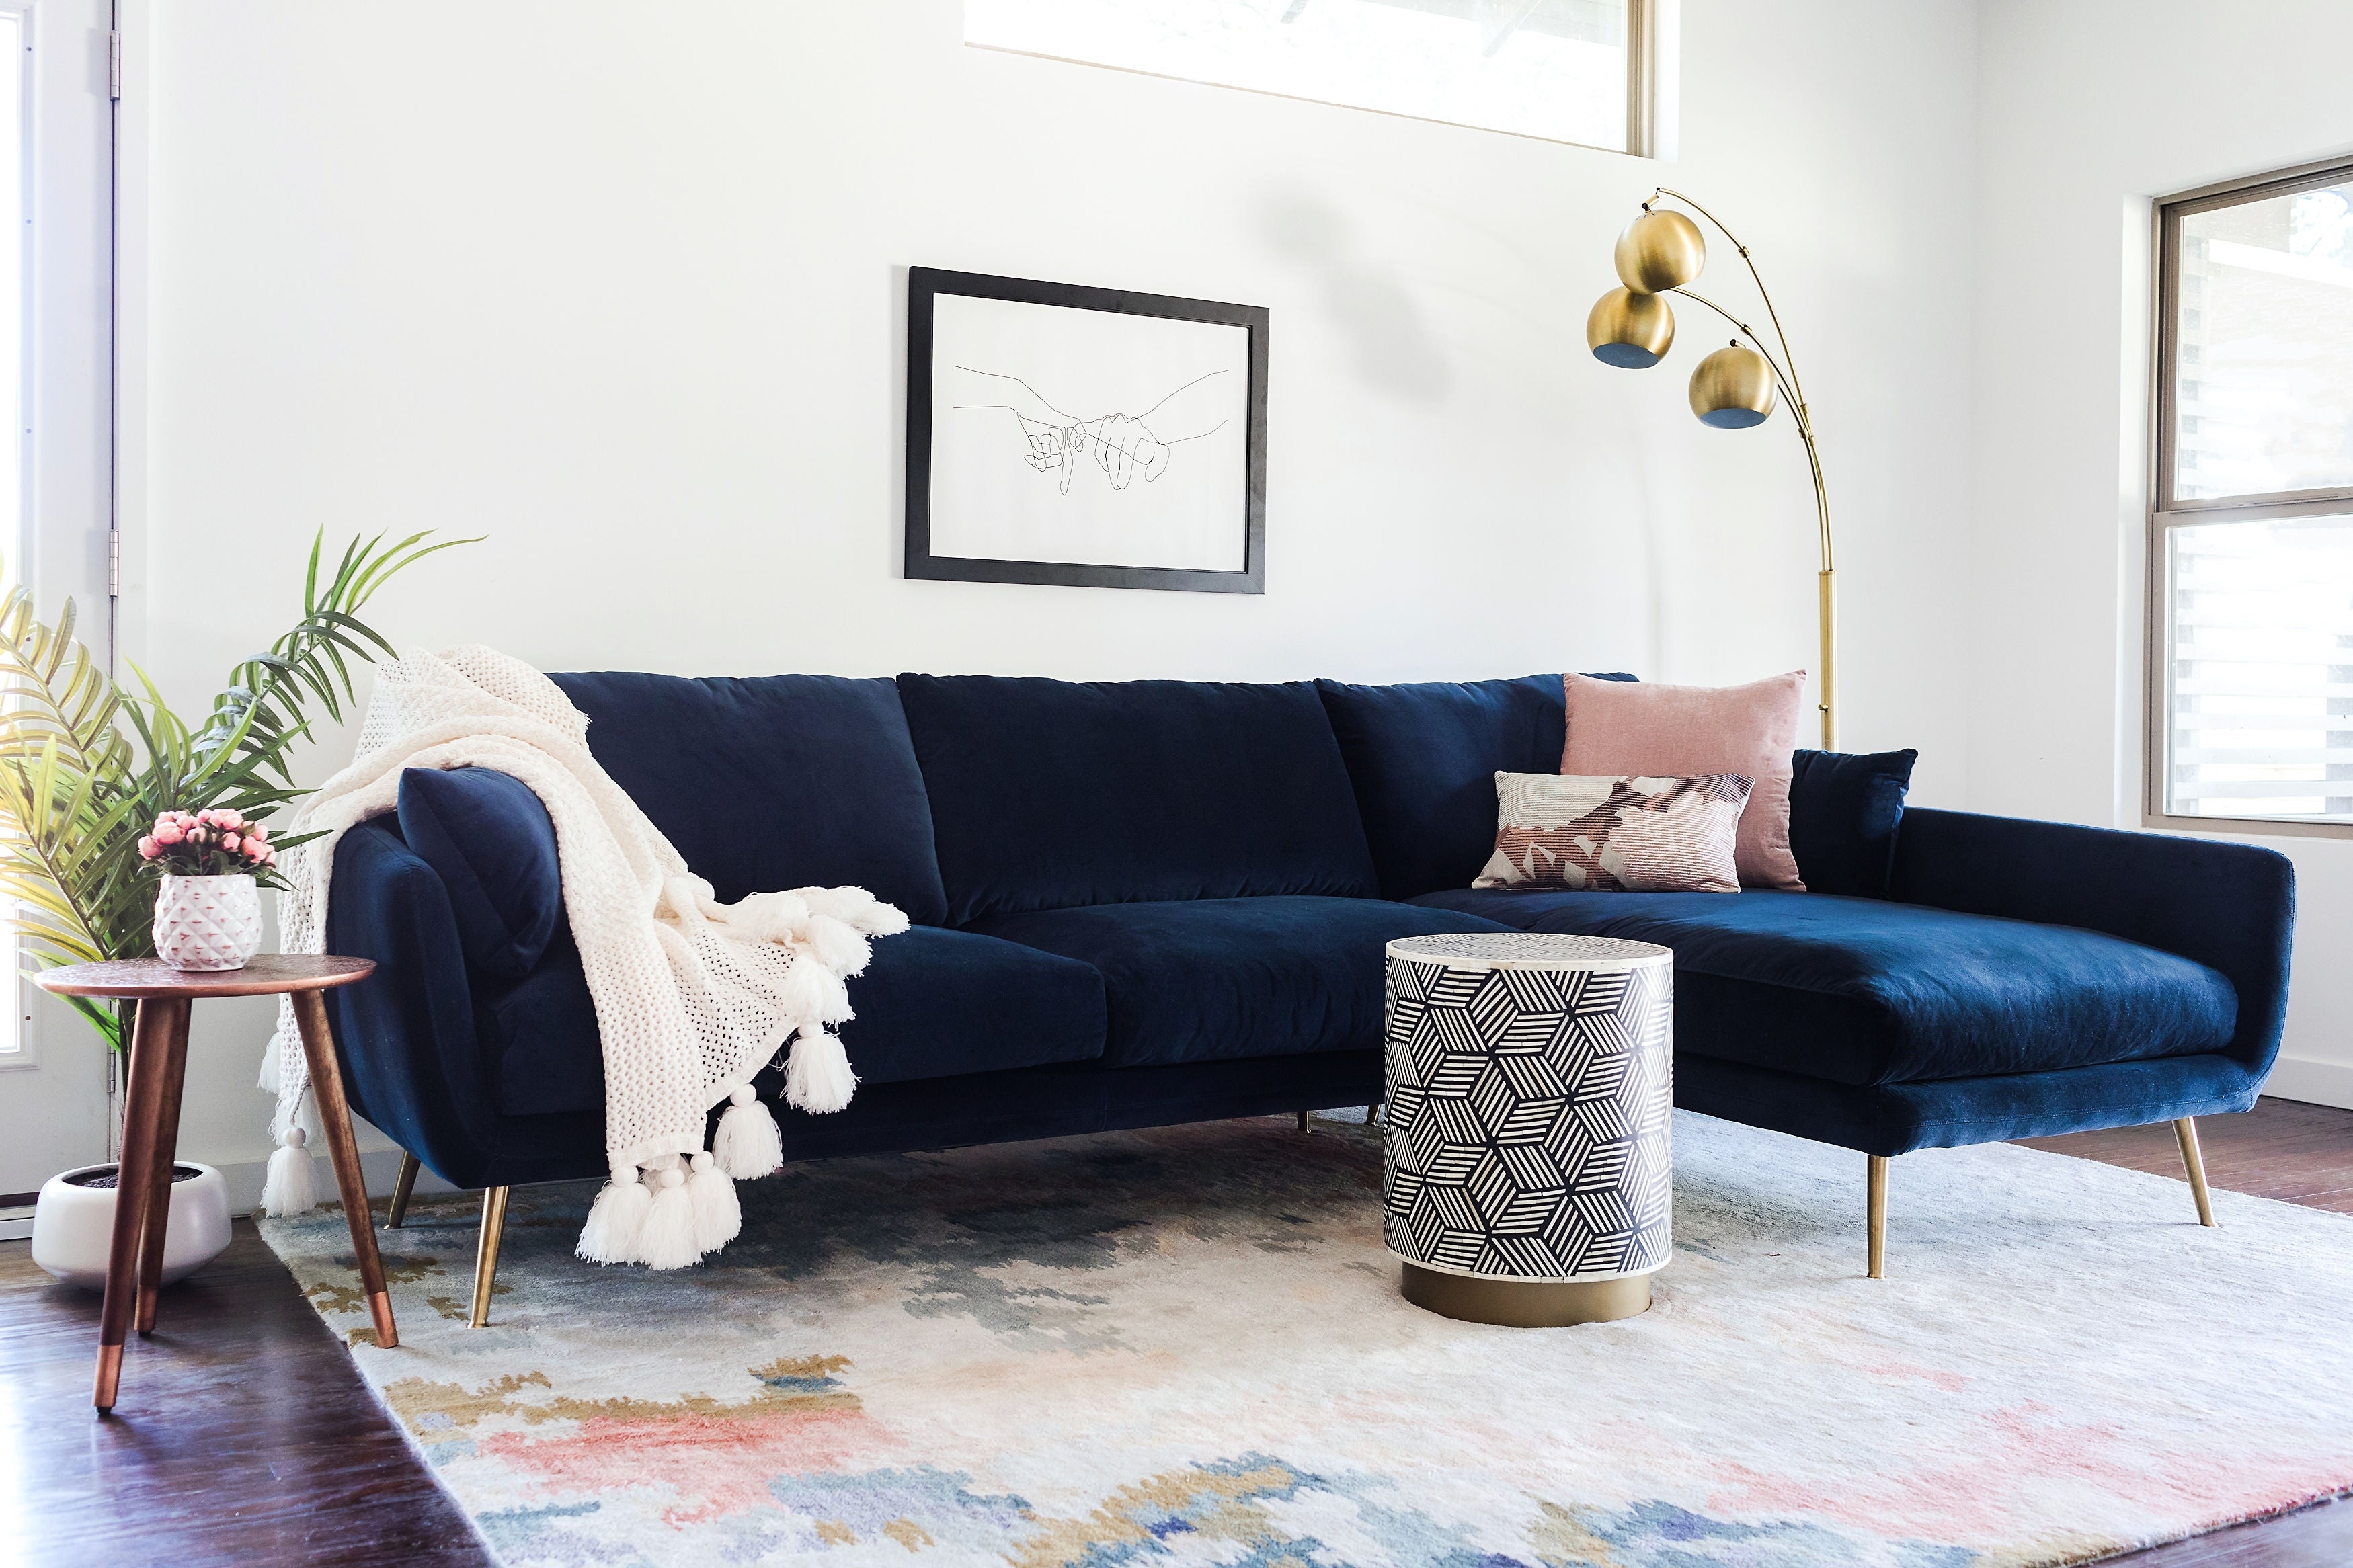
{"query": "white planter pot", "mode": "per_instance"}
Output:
(73, 1223)
(207, 922)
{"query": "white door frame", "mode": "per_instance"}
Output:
(56, 1089)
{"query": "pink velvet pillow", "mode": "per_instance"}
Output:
(1620, 727)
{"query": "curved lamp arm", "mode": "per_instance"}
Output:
(1785, 374)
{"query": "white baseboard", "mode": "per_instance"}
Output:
(2314, 1082)
(381, 1165)
(17, 1224)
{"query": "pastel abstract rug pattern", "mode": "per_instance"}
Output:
(1178, 1347)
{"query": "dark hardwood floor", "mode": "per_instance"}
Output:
(244, 1435)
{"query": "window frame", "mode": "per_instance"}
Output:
(1649, 121)
(2167, 511)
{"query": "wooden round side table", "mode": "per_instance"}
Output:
(1530, 1090)
(150, 1120)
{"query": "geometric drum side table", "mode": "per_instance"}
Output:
(151, 1122)
(1526, 1172)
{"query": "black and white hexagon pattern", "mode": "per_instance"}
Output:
(1528, 1110)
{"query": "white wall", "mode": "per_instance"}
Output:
(621, 286)
(2088, 111)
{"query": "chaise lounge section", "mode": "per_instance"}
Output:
(1150, 902)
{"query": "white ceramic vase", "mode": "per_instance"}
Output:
(207, 922)
(73, 1223)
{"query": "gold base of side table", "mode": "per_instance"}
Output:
(1526, 1303)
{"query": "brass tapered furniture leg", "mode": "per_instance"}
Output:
(335, 1120)
(2193, 1161)
(486, 1253)
(1877, 1219)
(402, 1185)
(1306, 1122)
(157, 1226)
(1373, 1114)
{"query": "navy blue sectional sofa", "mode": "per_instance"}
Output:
(1150, 902)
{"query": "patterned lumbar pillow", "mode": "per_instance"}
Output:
(1617, 834)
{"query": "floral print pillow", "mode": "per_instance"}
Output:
(1653, 835)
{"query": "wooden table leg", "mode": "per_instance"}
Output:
(173, 1030)
(134, 1184)
(327, 1083)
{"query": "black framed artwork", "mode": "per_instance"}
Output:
(1083, 438)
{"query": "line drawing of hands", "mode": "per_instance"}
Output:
(1123, 447)
(1050, 447)
(1123, 444)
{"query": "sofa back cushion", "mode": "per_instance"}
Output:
(786, 781)
(1051, 794)
(492, 844)
(1845, 810)
(1423, 759)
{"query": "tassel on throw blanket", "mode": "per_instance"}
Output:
(693, 996)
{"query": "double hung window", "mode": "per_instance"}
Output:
(2253, 524)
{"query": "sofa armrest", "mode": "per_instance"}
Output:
(2230, 906)
(406, 1035)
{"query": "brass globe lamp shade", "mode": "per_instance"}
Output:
(1658, 251)
(1733, 388)
(1630, 331)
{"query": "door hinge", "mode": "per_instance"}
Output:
(114, 563)
(113, 64)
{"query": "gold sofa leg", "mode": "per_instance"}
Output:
(1878, 1217)
(486, 1252)
(2193, 1161)
(1306, 1122)
(402, 1185)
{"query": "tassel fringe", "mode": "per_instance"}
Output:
(718, 1216)
(290, 1185)
(667, 1241)
(818, 1078)
(616, 1221)
(747, 1144)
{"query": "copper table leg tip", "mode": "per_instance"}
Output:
(387, 1336)
(109, 1377)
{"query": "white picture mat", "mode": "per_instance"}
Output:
(988, 502)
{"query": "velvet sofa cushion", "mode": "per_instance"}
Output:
(489, 840)
(1863, 991)
(1654, 727)
(1422, 758)
(788, 781)
(1052, 794)
(1217, 978)
(1845, 810)
(932, 1002)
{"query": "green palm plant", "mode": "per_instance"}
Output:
(77, 791)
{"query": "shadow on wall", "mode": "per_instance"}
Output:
(1393, 347)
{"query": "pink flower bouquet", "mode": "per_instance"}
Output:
(213, 843)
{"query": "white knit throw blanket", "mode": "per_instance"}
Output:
(693, 996)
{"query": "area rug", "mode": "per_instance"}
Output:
(1186, 1346)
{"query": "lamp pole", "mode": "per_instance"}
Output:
(1660, 253)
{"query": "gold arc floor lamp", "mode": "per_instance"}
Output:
(1733, 388)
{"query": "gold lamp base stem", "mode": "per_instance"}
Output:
(1828, 672)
